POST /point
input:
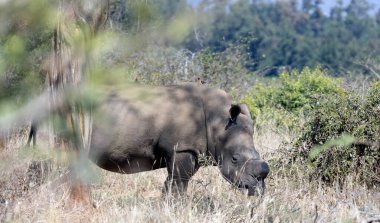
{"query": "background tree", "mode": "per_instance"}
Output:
(281, 34)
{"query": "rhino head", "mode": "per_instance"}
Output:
(237, 158)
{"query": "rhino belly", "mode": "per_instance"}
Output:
(124, 154)
(128, 165)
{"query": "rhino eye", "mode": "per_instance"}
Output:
(235, 158)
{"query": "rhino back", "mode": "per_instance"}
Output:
(148, 124)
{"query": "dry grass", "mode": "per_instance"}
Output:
(137, 198)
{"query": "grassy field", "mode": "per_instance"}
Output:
(137, 197)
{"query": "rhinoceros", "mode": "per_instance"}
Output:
(144, 128)
(156, 127)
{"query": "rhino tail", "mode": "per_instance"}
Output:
(32, 134)
(37, 110)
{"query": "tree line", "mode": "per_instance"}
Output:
(292, 34)
(275, 35)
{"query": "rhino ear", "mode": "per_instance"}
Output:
(244, 110)
(235, 110)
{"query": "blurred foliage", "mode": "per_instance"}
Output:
(25, 33)
(343, 140)
(284, 99)
(27, 41)
(340, 137)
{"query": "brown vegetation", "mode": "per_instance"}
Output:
(137, 197)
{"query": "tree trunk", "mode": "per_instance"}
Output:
(77, 20)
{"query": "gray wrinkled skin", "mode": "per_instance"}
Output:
(170, 127)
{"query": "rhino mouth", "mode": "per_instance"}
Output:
(255, 187)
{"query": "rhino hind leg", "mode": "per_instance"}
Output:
(181, 168)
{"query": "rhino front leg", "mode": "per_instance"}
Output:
(181, 168)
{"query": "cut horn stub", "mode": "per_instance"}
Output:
(261, 169)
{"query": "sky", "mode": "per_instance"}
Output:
(326, 6)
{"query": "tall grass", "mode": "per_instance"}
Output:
(138, 198)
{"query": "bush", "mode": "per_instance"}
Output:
(162, 66)
(337, 130)
(283, 101)
(340, 137)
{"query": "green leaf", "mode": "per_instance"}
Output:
(343, 140)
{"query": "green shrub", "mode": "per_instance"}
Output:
(340, 137)
(337, 130)
(298, 90)
(283, 101)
